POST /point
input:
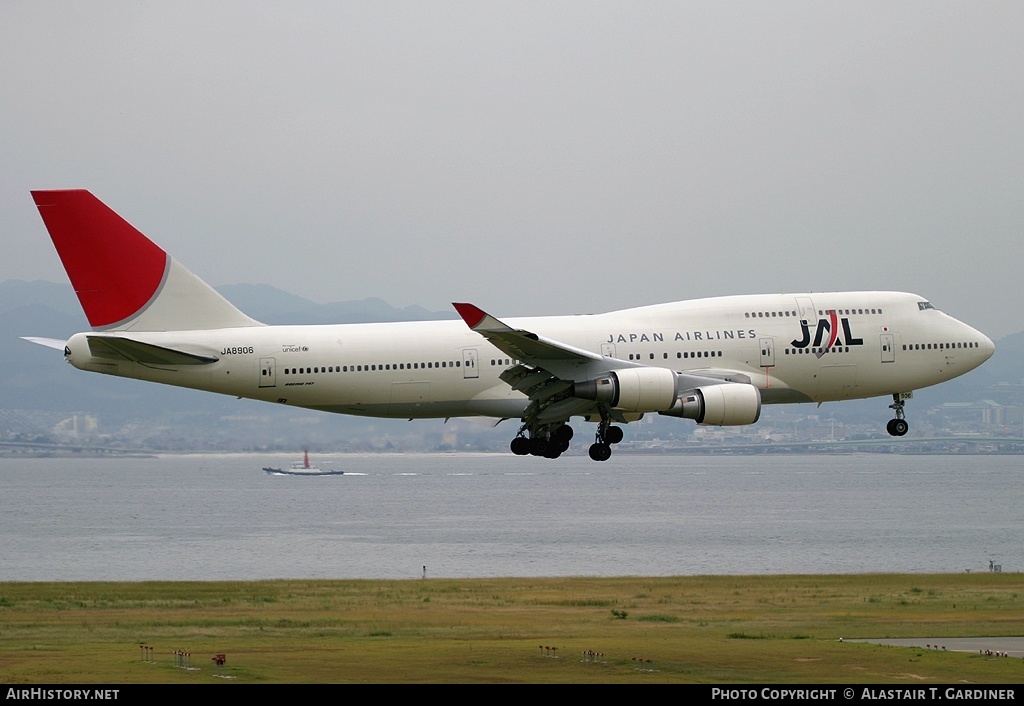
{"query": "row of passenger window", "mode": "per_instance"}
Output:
(821, 312)
(767, 314)
(804, 351)
(938, 346)
(849, 312)
(682, 355)
(371, 368)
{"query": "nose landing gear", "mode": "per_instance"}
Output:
(898, 426)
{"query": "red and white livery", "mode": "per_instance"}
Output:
(715, 361)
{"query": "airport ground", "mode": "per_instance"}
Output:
(710, 629)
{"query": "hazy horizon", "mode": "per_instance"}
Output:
(533, 158)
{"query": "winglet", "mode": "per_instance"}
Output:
(478, 319)
(470, 314)
(482, 322)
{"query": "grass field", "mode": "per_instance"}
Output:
(707, 629)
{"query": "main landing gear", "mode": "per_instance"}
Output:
(548, 443)
(897, 426)
(601, 449)
(552, 442)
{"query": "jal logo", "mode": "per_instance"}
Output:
(826, 333)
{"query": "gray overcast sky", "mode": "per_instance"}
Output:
(533, 157)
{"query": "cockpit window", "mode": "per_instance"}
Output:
(925, 305)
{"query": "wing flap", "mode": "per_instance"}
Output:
(531, 381)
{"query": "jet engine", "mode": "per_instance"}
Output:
(729, 404)
(657, 390)
(632, 389)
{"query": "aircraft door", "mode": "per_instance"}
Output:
(608, 350)
(469, 363)
(888, 348)
(805, 308)
(767, 352)
(267, 378)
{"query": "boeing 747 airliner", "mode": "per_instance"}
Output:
(715, 361)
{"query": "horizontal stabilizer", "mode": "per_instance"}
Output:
(117, 348)
(57, 343)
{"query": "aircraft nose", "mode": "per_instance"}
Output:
(986, 345)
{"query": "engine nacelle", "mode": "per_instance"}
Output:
(729, 404)
(632, 389)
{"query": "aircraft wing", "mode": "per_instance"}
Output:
(547, 370)
(526, 345)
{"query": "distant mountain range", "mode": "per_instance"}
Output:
(38, 390)
(272, 306)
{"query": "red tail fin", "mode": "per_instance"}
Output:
(123, 280)
(114, 268)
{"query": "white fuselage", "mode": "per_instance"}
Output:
(794, 348)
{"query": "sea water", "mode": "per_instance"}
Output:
(393, 516)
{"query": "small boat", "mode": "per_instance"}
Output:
(302, 468)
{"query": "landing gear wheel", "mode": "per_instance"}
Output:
(520, 446)
(539, 446)
(601, 449)
(549, 441)
(563, 433)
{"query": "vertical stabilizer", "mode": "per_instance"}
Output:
(124, 281)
